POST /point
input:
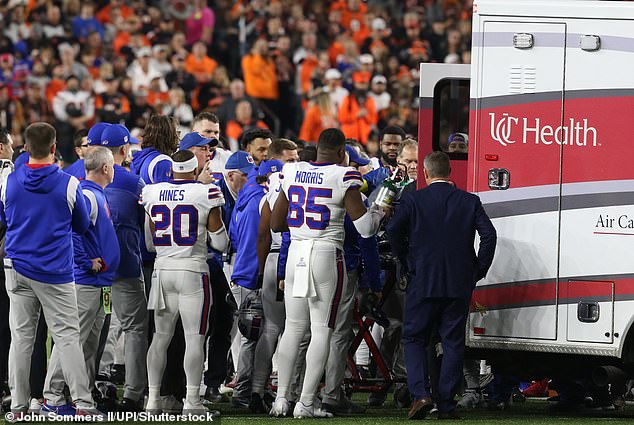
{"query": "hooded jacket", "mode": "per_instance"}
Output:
(151, 165)
(77, 169)
(100, 241)
(243, 232)
(41, 207)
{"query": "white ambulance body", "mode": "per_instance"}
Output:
(551, 155)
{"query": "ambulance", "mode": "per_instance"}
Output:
(548, 107)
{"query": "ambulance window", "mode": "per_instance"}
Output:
(451, 117)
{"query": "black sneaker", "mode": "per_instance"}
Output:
(257, 404)
(376, 399)
(344, 407)
(212, 395)
(129, 405)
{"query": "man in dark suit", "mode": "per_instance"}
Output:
(439, 222)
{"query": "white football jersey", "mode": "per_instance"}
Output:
(180, 210)
(315, 194)
(216, 165)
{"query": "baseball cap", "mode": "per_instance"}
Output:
(458, 137)
(270, 166)
(355, 157)
(332, 74)
(366, 58)
(115, 135)
(95, 133)
(195, 139)
(378, 24)
(240, 161)
(144, 51)
(379, 79)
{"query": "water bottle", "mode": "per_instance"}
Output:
(391, 188)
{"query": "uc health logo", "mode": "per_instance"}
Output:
(507, 129)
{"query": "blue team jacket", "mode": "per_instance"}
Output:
(41, 207)
(77, 169)
(227, 211)
(100, 241)
(151, 169)
(243, 232)
(127, 217)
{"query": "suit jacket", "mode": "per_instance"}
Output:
(439, 224)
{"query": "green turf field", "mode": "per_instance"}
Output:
(531, 412)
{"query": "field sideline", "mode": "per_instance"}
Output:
(531, 412)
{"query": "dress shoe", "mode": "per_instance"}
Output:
(420, 408)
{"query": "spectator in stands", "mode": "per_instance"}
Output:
(333, 87)
(242, 122)
(33, 106)
(379, 93)
(256, 142)
(227, 110)
(199, 64)
(53, 26)
(179, 77)
(111, 106)
(160, 57)
(143, 70)
(260, 77)
(357, 112)
(85, 23)
(70, 66)
(141, 111)
(73, 109)
(321, 115)
(179, 109)
(200, 24)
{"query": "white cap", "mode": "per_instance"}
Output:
(378, 24)
(332, 74)
(143, 51)
(379, 79)
(366, 58)
(159, 47)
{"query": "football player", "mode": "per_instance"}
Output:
(185, 215)
(312, 203)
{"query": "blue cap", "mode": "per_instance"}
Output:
(240, 161)
(115, 135)
(195, 139)
(134, 140)
(355, 157)
(95, 132)
(270, 166)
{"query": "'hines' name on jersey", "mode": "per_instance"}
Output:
(180, 211)
(315, 194)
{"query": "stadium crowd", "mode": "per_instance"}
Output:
(74, 63)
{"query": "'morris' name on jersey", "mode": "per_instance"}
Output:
(310, 177)
(315, 194)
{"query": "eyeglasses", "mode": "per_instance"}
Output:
(83, 146)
